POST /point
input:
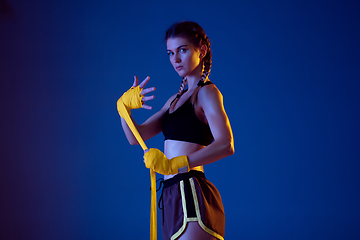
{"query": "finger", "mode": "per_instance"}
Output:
(143, 83)
(136, 81)
(147, 98)
(146, 107)
(147, 90)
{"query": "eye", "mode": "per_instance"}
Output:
(170, 53)
(183, 50)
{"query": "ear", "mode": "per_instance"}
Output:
(203, 51)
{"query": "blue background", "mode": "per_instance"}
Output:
(290, 75)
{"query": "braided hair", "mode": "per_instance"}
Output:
(194, 33)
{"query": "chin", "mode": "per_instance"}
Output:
(181, 74)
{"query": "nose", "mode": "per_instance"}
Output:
(177, 58)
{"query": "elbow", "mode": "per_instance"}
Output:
(230, 149)
(132, 143)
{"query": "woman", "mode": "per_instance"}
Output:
(197, 132)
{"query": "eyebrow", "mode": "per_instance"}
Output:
(178, 47)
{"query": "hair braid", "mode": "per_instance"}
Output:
(207, 59)
(180, 92)
(206, 67)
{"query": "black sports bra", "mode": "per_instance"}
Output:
(184, 125)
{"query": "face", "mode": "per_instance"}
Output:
(184, 56)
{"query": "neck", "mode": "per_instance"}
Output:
(194, 77)
(193, 81)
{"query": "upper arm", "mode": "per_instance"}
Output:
(211, 101)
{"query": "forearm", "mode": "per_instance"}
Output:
(159, 162)
(147, 130)
(217, 150)
(128, 133)
(132, 99)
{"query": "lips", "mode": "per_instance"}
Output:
(179, 68)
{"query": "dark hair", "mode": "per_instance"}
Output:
(194, 33)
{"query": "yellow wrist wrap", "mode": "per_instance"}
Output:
(157, 161)
(131, 99)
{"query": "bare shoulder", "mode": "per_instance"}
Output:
(210, 95)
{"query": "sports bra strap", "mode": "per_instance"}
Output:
(202, 83)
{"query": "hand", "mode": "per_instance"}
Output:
(144, 91)
(134, 97)
(158, 162)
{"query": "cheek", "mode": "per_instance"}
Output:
(195, 60)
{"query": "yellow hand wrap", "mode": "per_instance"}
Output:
(157, 161)
(131, 99)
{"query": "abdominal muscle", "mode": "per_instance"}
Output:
(175, 148)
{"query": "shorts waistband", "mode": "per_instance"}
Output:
(183, 176)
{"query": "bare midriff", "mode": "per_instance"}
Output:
(175, 148)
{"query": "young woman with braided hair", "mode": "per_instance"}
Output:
(197, 132)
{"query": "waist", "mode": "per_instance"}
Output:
(174, 148)
(183, 176)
